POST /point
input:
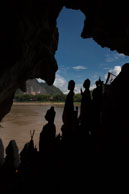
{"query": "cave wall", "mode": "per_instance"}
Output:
(29, 38)
(106, 22)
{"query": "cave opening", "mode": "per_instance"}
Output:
(93, 147)
(77, 59)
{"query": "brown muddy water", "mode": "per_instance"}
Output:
(17, 124)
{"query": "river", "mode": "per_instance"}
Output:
(23, 118)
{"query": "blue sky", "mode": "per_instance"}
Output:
(78, 58)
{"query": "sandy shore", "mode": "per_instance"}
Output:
(42, 103)
(38, 103)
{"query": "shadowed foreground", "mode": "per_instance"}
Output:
(83, 159)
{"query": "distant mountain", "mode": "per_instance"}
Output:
(34, 87)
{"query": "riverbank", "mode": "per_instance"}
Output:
(42, 103)
(37, 103)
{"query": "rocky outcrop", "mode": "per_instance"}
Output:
(29, 43)
(34, 87)
(29, 38)
(106, 22)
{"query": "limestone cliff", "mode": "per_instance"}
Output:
(34, 87)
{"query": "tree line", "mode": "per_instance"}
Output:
(44, 98)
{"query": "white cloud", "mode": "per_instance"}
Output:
(106, 68)
(77, 88)
(61, 83)
(93, 86)
(40, 80)
(112, 57)
(116, 70)
(79, 67)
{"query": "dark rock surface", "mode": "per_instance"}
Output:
(29, 40)
(106, 22)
